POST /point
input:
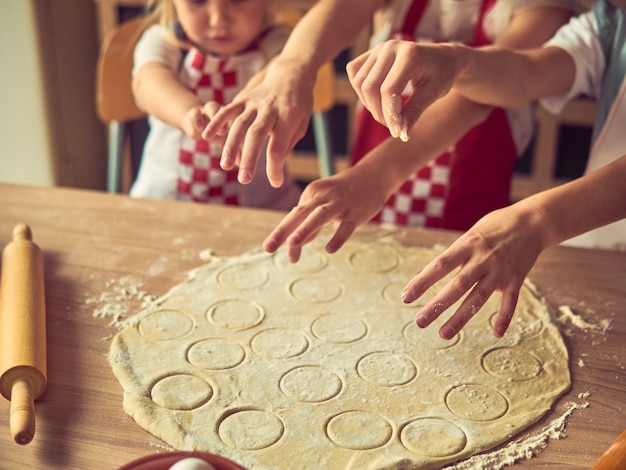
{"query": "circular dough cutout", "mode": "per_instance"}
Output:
(511, 364)
(165, 325)
(386, 369)
(250, 429)
(235, 314)
(359, 430)
(242, 276)
(311, 384)
(433, 437)
(279, 343)
(476, 402)
(375, 261)
(339, 328)
(181, 392)
(315, 290)
(216, 354)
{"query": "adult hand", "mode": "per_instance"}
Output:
(351, 197)
(382, 74)
(496, 254)
(280, 107)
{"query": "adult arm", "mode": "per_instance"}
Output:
(353, 197)
(498, 252)
(280, 105)
(493, 75)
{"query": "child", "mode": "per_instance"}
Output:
(186, 67)
(587, 56)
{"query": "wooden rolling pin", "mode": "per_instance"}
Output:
(23, 370)
(615, 456)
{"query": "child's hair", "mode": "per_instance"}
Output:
(164, 13)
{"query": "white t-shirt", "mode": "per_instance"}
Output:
(159, 170)
(580, 39)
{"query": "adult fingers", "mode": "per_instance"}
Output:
(279, 235)
(342, 234)
(235, 141)
(220, 121)
(506, 311)
(433, 272)
(469, 307)
(357, 70)
(256, 135)
(283, 138)
(460, 284)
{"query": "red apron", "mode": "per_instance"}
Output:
(456, 189)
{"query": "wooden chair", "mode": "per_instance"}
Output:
(116, 105)
(114, 98)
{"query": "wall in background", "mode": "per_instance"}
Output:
(49, 131)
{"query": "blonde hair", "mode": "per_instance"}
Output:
(164, 13)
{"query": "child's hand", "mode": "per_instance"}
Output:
(196, 120)
(496, 254)
(380, 75)
(350, 197)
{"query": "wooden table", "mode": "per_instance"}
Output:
(96, 243)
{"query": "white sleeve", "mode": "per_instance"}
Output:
(579, 38)
(154, 46)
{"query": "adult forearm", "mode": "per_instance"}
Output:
(589, 202)
(329, 27)
(441, 126)
(502, 77)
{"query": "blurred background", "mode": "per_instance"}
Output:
(50, 133)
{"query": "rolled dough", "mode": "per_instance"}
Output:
(319, 365)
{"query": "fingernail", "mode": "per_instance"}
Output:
(446, 332)
(420, 320)
(244, 176)
(404, 134)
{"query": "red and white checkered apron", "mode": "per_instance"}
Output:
(201, 179)
(456, 189)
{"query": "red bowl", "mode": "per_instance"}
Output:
(165, 461)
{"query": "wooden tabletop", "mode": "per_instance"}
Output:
(104, 252)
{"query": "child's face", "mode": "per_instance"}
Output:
(222, 27)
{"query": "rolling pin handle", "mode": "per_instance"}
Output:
(22, 232)
(22, 413)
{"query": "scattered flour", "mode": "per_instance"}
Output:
(520, 449)
(116, 303)
(568, 314)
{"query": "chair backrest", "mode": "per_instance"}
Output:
(114, 96)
